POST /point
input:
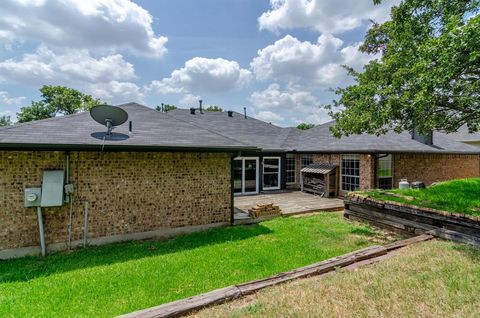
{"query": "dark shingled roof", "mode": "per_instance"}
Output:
(178, 129)
(463, 135)
(320, 139)
(151, 130)
(248, 130)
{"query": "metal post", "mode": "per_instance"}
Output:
(41, 232)
(85, 227)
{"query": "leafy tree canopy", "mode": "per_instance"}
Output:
(57, 100)
(305, 126)
(427, 76)
(5, 121)
(165, 107)
(214, 108)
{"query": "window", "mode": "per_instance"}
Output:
(290, 168)
(350, 172)
(384, 172)
(307, 159)
(271, 173)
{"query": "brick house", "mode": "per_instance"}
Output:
(363, 161)
(178, 172)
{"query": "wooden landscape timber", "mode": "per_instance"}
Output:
(185, 306)
(412, 220)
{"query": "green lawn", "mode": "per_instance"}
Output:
(119, 278)
(429, 279)
(460, 196)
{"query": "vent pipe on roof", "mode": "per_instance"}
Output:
(230, 113)
(192, 111)
(245, 112)
(201, 110)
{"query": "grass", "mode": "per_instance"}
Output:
(120, 278)
(430, 279)
(460, 196)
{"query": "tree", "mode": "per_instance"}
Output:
(57, 100)
(305, 126)
(165, 108)
(427, 77)
(214, 108)
(5, 121)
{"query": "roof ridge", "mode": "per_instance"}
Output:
(83, 112)
(18, 125)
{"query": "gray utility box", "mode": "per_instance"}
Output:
(32, 197)
(52, 188)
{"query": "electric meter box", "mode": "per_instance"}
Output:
(52, 188)
(32, 197)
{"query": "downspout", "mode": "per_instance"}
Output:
(232, 196)
(69, 198)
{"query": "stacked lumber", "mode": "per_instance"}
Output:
(264, 210)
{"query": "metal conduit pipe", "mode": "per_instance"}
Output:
(85, 227)
(41, 231)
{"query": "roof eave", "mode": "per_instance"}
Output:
(113, 148)
(376, 151)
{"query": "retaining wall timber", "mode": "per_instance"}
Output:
(408, 219)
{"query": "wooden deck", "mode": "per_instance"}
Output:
(291, 202)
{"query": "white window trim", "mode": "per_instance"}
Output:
(257, 172)
(279, 173)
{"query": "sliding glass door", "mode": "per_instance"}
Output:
(245, 175)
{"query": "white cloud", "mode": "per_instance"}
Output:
(291, 98)
(5, 99)
(115, 92)
(203, 75)
(320, 63)
(44, 66)
(189, 100)
(93, 25)
(293, 102)
(330, 16)
(270, 117)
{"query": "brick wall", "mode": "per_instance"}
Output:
(428, 168)
(127, 193)
(432, 168)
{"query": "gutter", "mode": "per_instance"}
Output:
(117, 148)
(376, 151)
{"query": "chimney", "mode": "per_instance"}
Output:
(426, 139)
(245, 112)
(230, 113)
(201, 110)
(192, 111)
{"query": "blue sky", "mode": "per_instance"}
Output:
(278, 58)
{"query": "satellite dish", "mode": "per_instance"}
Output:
(110, 116)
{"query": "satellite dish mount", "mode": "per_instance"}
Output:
(109, 116)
